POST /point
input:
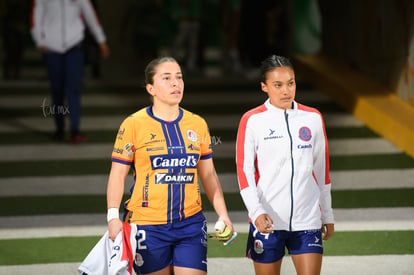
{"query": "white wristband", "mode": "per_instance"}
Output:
(219, 226)
(113, 213)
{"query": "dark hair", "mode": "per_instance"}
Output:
(272, 62)
(151, 68)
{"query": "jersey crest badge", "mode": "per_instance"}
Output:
(305, 133)
(191, 135)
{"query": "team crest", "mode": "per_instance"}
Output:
(139, 261)
(305, 134)
(191, 135)
(258, 247)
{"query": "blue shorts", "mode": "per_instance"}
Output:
(269, 248)
(181, 244)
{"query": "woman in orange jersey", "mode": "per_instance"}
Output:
(168, 149)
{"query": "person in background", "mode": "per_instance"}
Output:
(187, 15)
(283, 173)
(57, 29)
(141, 28)
(169, 150)
(230, 24)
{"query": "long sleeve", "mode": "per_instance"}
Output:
(92, 21)
(321, 172)
(246, 171)
(37, 13)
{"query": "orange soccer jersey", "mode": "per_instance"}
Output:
(164, 157)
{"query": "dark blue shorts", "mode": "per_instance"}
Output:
(269, 248)
(181, 244)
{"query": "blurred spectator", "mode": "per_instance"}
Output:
(230, 23)
(140, 26)
(58, 31)
(187, 14)
(260, 22)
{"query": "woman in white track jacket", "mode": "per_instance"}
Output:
(57, 28)
(283, 174)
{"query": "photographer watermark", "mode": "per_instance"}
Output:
(51, 110)
(215, 140)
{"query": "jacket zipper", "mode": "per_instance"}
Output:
(291, 177)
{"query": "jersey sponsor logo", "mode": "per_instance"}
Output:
(145, 192)
(305, 133)
(153, 149)
(193, 148)
(155, 141)
(175, 147)
(272, 135)
(191, 135)
(118, 151)
(306, 146)
(168, 161)
(316, 243)
(121, 134)
(182, 178)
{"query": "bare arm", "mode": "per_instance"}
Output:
(114, 193)
(212, 187)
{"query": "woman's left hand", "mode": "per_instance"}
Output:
(327, 231)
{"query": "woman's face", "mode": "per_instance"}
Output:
(168, 84)
(280, 86)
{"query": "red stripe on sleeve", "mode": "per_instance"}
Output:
(241, 139)
(32, 23)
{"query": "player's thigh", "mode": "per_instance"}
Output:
(178, 270)
(154, 253)
(190, 249)
(306, 249)
(268, 268)
(307, 263)
(164, 271)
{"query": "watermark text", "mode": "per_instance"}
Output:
(51, 110)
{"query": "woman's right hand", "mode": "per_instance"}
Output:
(264, 224)
(114, 227)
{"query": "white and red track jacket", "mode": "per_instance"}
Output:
(59, 25)
(283, 166)
(109, 257)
